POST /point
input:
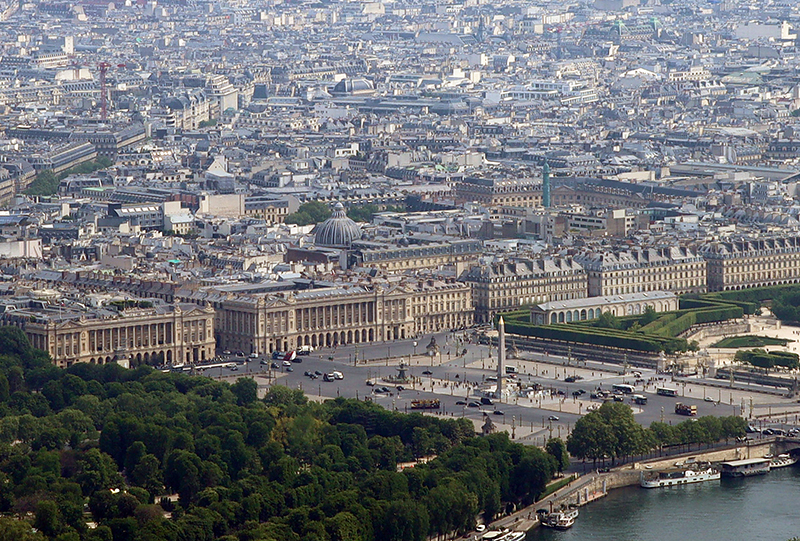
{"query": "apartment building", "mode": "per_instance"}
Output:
(677, 269)
(746, 263)
(511, 283)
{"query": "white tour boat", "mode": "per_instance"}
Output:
(670, 478)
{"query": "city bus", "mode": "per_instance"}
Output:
(639, 399)
(663, 391)
(623, 388)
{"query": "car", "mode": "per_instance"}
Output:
(287, 363)
(240, 353)
(460, 403)
(328, 377)
(278, 354)
(595, 395)
(552, 418)
(226, 352)
(378, 390)
(480, 528)
(289, 369)
(275, 366)
(474, 404)
(619, 398)
(400, 388)
(570, 379)
(264, 361)
(254, 355)
(427, 373)
(708, 399)
(581, 391)
(317, 373)
(307, 373)
(560, 392)
(234, 368)
(370, 383)
(576, 394)
(486, 401)
(385, 389)
(498, 412)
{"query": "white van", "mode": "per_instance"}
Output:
(338, 375)
(305, 350)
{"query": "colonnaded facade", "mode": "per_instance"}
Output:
(345, 314)
(592, 307)
(174, 333)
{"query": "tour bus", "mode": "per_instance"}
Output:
(639, 399)
(663, 391)
(623, 388)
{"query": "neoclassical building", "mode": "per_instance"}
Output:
(745, 263)
(592, 307)
(678, 269)
(508, 284)
(175, 333)
(344, 314)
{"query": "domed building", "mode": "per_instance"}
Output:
(353, 86)
(338, 231)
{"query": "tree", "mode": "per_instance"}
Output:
(246, 391)
(556, 448)
(12, 529)
(648, 316)
(607, 320)
(309, 213)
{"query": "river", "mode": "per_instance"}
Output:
(763, 508)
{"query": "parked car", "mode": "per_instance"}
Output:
(427, 373)
(474, 404)
(287, 363)
(708, 399)
(278, 355)
(460, 403)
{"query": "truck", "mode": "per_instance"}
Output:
(305, 350)
(686, 409)
(429, 404)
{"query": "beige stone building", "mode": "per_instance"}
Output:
(175, 333)
(495, 192)
(677, 269)
(746, 263)
(591, 307)
(345, 314)
(509, 284)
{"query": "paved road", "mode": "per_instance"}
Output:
(448, 372)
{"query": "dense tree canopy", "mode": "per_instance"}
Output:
(611, 432)
(310, 213)
(130, 445)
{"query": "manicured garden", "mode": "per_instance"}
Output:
(750, 341)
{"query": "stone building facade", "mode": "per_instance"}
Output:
(178, 333)
(345, 314)
(509, 284)
(495, 192)
(591, 307)
(746, 263)
(677, 269)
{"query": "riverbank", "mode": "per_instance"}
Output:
(585, 489)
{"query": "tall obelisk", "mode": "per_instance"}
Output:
(501, 357)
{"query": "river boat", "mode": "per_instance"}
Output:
(677, 477)
(746, 467)
(560, 520)
(782, 461)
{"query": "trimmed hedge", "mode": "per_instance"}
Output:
(764, 359)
